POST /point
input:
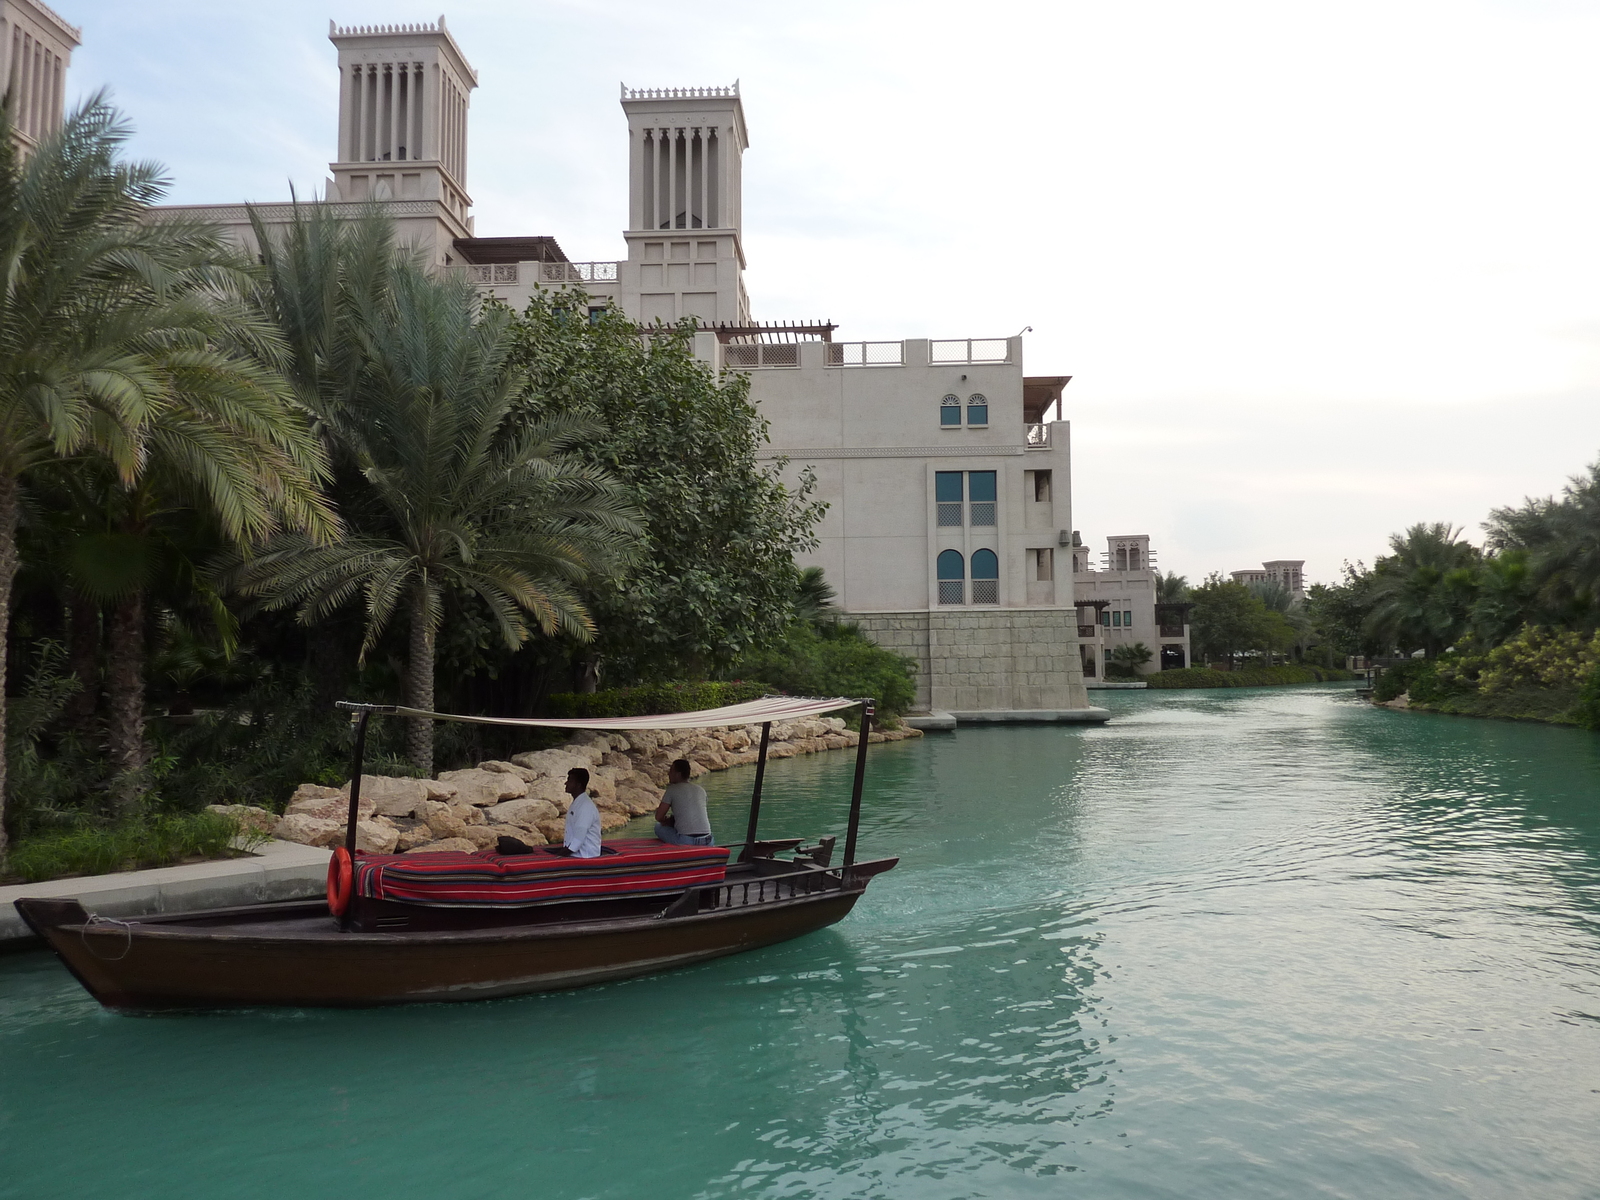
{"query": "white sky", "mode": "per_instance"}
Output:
(1319, 271)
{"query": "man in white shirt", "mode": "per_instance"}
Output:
(583, 818)
(683, 803)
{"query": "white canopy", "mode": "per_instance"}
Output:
(752, 712)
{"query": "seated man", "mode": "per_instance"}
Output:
(583, 818)
(684, 804)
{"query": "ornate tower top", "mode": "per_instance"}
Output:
(684, 157)
(403, 98)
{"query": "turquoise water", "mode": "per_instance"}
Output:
(1262, 943)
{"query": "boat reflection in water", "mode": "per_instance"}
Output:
(531, 923)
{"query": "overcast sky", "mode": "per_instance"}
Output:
(1318, 271)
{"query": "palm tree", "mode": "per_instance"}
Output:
(127, 340)
(1422, 594)
(1171, 588)
(455, 494)
(814, 598)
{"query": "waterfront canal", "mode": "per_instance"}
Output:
(1235, 944)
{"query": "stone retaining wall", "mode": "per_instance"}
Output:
(525, 798)
(973, 659)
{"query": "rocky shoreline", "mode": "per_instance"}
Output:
(524, 798)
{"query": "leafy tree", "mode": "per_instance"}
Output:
(124, 339)
(463, 493)
(1422, 594)
(1171, 589)
(721, 529)
(1227, 619)
(1338, 612)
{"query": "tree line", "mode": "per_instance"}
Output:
(235, 487)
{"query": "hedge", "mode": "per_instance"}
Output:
(652, 699)
(1205, 677)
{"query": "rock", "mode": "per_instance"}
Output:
(329, 808)
(837, 741)
(781, 750)
(505, 768)
(621, 744)
(735, 739)
(556, 763)
(314, 791)
(618, 762)
(527, 811)
(375, 838)
(247, 815)
(875, 738)
(459, 844)
(554, 831)
(390, 796)
(480, 787)
(442, 820)
(437, 790)
(611, 818)
(637, 801)
(308, 830)
(415, 835)
(744, 757)
(485, 837)
(643, 742)
(470, 814)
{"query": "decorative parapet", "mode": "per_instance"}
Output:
(52, 17)
(700, 93)
(363, 30)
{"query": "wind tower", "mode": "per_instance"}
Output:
(37, 47)
(685, 256)
(404, 91)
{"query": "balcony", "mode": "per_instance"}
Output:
(1087, 631)
(578, 272)
(1036, 437)
(781, 354)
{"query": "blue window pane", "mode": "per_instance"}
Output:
(985, 564)
(947, 487)
(977, 414)
(951, 566)
(1105, 617)
(982, 484)
(949, 416)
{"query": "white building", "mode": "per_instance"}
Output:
(1119, 606)
(36, 46)
(947, 481)
(1287, 573)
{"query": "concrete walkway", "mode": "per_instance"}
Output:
(277, 871)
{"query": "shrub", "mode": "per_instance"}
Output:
(1586, 712)
(147, 842)
(1205, 677)
(835, 660)
(653, 698)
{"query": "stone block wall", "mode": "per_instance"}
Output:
(971, 660)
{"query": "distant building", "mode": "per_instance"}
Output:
(36, 46)
(1118, 606)
(1287, 573)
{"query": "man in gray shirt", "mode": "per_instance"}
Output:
(684, 804)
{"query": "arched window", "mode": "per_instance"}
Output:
(977, 409)
(952, 577)
(985, 577)
(950, 410)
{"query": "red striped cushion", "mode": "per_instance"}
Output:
(452, 879)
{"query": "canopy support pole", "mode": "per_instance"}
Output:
(867, 711)
(355, 780)
(755, 795)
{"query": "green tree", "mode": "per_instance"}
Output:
(1227, 620)
(125, 339)
(1126, 660)
(721, 528)
(1423, 593)
(1171, 589)
(462, 493)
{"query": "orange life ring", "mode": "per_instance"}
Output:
(341, 881)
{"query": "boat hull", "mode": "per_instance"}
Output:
(292, 954)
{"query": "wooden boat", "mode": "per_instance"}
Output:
(382, 950)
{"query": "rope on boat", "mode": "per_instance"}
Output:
(96, 919)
